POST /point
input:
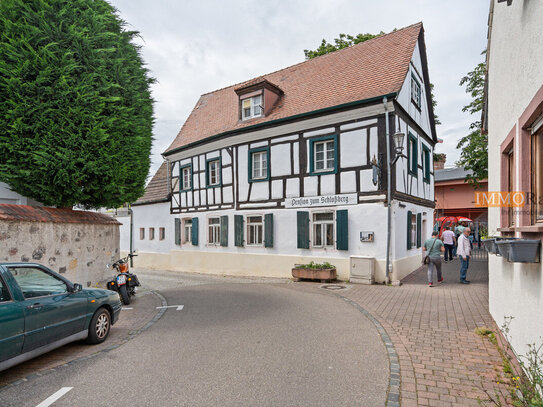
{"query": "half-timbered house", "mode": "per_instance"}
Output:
(291, 167)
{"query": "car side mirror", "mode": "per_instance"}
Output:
(77, 287)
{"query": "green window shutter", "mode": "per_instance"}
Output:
(415, 162)
(427, 166)
(268, 230)
(238, 230)
(342, 230)
(408, 230)
(419, 225)
(195, 231)
(177, 231)
(303, 229)
(224, 230)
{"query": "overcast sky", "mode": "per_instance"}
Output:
(195, 47)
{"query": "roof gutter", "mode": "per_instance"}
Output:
(279, 121)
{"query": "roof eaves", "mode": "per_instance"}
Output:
(279, 121)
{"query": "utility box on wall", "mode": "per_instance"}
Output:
(362, 270)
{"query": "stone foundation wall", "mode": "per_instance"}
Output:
(80, 252)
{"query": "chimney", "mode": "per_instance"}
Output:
(439, 161)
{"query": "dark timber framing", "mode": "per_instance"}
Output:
(210, 199)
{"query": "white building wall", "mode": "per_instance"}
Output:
(148, 216)
(7, 196)
(515, 75)
(420, 116)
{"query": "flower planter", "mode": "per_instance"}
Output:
(520, 250)
(491, 246)
(323, 275)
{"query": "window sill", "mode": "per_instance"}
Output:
(323, 172)
(524, 229)
(259, 179)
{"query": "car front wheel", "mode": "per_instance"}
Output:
(99, 326)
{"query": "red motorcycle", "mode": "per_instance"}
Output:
(124, 283)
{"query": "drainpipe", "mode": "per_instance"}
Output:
(389, 193)
(131, 233)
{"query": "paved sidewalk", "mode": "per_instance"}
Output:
(442, 361)
(131, 322)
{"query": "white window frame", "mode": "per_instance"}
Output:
(413, 230)
(214, 231)
(261, 168)
(325, 151)
(416, 91)
(314, 224)
(217, 172)
(254, 105)
(254, 225)
(187, 230)
(186, 178)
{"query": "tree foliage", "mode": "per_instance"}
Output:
(76, 112)
(474, 155)
(346, 40)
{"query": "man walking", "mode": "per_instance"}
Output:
(433, 248)
(450, 241)
(464, 252)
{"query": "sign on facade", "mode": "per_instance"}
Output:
(322, 200)
(367, 237)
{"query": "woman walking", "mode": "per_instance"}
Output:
(431, 251)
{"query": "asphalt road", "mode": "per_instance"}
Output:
(266, 343)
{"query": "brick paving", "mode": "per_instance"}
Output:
(131, 322)
(443, 362)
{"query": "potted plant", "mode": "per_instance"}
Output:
(520, 250)
(315, 271)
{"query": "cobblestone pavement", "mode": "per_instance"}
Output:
(443, 362)
(134, 318)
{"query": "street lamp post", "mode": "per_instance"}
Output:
(398, 138)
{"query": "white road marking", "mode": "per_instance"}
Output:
(50, 400)
(179, 307)
(127, 308)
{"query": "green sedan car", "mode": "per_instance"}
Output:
(40, 310)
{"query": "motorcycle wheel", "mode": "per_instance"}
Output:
(125, 297)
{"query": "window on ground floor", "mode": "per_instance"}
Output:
(255, 230)
(214, 231)
(187, 230)
(323, 229)
(161, 234)
(142, 233)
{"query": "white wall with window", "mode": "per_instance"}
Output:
(145, 217)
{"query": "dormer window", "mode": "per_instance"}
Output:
(252, 97)
(251, 107)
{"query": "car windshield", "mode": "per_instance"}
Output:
(35, 282)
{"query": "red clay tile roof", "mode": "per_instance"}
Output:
(157, 189)
(26, 213)
(370, 69)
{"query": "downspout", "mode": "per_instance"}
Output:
(389, 193)
(131, 233)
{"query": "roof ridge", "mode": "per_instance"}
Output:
(313, 59)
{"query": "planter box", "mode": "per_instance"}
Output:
(520, 250)
(491, 246)
(323, 275)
